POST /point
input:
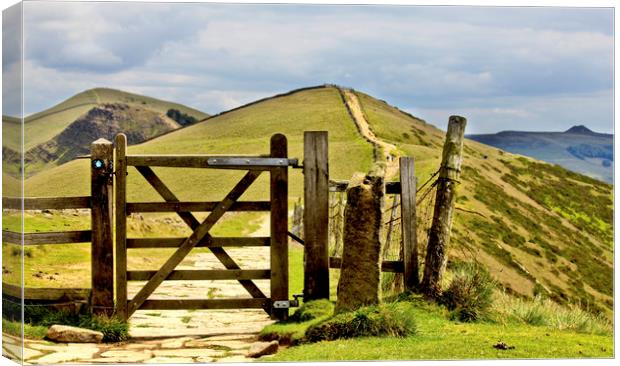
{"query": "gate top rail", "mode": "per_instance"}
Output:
(240, 162)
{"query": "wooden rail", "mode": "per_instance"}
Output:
(262, 303)
(64, 237)
(214, 242)
(341, 186)
(386, 266)
(46, 294)
(239, 162)
(45, 203)
(195, 206)
(195, 275)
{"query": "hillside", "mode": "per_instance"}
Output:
(578, 149)
(526, 220)
(59, 134)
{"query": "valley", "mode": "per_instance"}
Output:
(578, 149)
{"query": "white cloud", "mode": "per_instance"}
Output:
(491, 63)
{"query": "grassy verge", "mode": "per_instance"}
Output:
(30, 331)
(439, 338)
(37, 319)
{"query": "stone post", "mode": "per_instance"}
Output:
(360, 273)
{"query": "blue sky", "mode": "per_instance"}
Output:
(503, 68)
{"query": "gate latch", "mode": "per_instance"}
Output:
(281, 304)
(285, 304)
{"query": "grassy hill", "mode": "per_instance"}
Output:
(578, 149)
(60, 133)
(42, 126)
(526, 220)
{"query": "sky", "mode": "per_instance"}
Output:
(516, 68)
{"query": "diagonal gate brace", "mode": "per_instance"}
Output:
(200, 233)
(193, 223)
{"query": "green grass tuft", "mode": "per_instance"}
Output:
(313, 310)
(545, 312)
(470, 293)
(393, 319)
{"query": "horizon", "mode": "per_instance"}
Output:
(536, 69)
(215, 113)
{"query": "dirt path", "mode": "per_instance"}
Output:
(176, 336)
(388, 150)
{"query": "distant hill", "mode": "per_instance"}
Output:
(578, 149)
(60, 133)
(539, 228)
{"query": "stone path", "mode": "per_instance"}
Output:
(389, 150)
(187, 349)
(173, 336)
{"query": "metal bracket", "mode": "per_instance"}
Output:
(281, 304)
(248, 161)
(275, 162)
(286, 304)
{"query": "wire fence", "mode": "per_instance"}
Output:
(392, 233)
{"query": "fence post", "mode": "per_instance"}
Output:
(102, 260)
(121, 226)
(279, 228)
(316, 214)
(439, 235)
(408, 223)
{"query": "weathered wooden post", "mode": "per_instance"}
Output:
(439, 236)
(408, 224)
(102, 260)
(316, 216)
(279, 228)
(121, 226)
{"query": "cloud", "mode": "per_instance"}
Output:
(494, 63)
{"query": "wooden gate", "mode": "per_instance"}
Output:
(276, 163)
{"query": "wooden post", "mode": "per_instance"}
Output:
(121, 226)
(102, 260)
(390, 231)
(439, 235)
(279, 228)
(316, 216)
(408, 224)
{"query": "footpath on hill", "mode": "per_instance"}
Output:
(387, 150)
(174, 336)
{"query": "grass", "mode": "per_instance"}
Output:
(544, 312)
(438, 338)
(30, 331)
(244, 131)
(294, 330)
(44, 125)
(393, 319)
(37, 319)
(520, 217)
